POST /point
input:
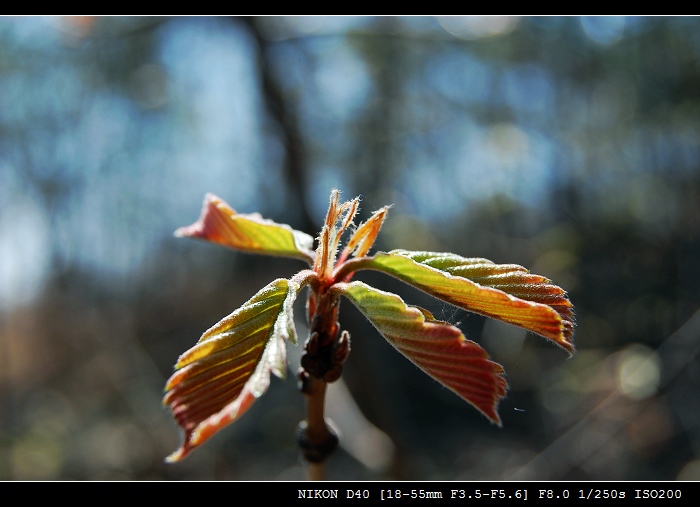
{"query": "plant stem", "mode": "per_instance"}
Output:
(316, 437)
(316, 428)
(316, 471)
(324, 353)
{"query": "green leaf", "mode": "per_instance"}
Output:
(438, 348)
(219, 223)
(219, 378)
(506, 292)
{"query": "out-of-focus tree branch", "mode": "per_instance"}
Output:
(284, 115)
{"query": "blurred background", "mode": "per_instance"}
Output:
(568, 145)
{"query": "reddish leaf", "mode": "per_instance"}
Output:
(220, 377)
(506, 292)
(363, 238)
(219, 223)
(438, 348)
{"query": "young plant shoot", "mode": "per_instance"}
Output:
(219, 378)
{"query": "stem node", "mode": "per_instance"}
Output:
(314, 450)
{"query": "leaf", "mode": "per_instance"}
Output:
(506, 292)
(363, 238)
(438, 348)
(229, 367)
(219, 223)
